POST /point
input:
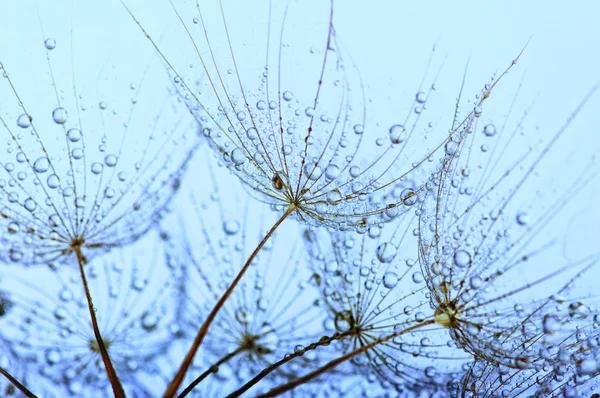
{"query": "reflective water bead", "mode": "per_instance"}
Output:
(462, 258)
(238, 156)
(332, 172)
(41, 165)
(59, 115)
(231, 227)
(390, 279)
(386, 252)
(397, 134)
(50, 44)
(77, 153)
(53, 181)
(489, 130)
(74, 135)
(97, 168)
(24, 121)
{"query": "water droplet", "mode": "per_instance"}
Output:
(241, 116)
(489, 130)
(390, 279)
(252, 133)
(110, 160)
(421, 97)
(462, 258)
(238, 156)
(59, 115)
(53, 181)
(477, 111)
(386, 252)
(522, 218)
(397, 134)
(50, 44)
(41, 165)
(77, 153)
(24, 121)
(74, 135)
(149, 321)
(231, 227)
(288, 96)
(52, 357)
(409, 197)
(331, 266)
(30, 204)
(332, 172)
(97, 168)
(551, 324)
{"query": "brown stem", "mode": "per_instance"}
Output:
(110, 370)
(17, 384)
(305, 379)
(324, 341)
(213, 369)
(187, 362)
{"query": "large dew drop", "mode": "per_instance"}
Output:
(386, 252)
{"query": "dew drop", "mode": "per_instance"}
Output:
(288, 96)
(59, 115)
(332, 172)
(390, 279)
(24, 121)
(110, 160)
(231, 227)
(397, 134)
(489, 130)
(50, 44)
(74, 135)
(53, 181)
(462, 258)
(237, 156)
(386, 252)
(41, 165)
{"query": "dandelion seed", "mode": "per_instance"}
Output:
(267, 316)
(133, 295)
(310, 143)
(56, 204)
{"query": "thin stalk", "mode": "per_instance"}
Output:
(17, 384)
(110, 370)
(187, 362)
(324, 341)
(329, 366)
(213, 369)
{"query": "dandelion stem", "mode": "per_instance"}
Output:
(213, 369)
(332, 364)
(110, 370)
(187, 362)
(324, 341)
(17, 384)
